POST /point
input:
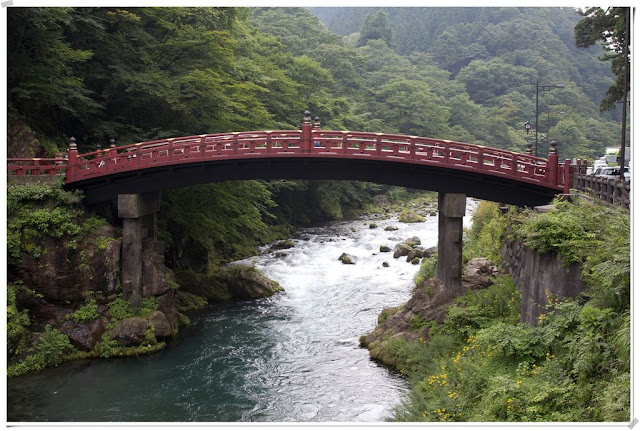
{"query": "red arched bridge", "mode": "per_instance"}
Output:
(309, 153)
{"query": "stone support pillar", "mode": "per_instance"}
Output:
(138, 212)
(451, 210)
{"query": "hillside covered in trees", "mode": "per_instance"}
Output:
(136, 74)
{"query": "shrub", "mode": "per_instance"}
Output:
(120, 309)
(37, 211)
(49, 351)
(52, 347)
(428, 269)
(17, 323)
(484, 239)
(87, 313)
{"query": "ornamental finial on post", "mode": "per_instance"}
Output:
(316, 123)
(112, 143)
(553, 147)
(305, 138)
(72, 144)
(529, 151)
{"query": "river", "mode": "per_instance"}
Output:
(293, 357)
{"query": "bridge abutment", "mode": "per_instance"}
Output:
(138, 212)
(451, 210)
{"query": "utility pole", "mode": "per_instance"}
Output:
(625, 89)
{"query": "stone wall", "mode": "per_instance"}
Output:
(539, 278)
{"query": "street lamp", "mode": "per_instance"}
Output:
(538, 89)
(527, 126)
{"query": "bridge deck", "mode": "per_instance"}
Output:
(308, 153)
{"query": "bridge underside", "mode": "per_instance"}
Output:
(445, 180)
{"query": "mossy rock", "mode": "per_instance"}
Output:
(391, 228)
(245, 282)
(384, 249)
(373, 226)
(415, 261)
(408, 216)
(347, 259)
(282, 245)
(226, 283)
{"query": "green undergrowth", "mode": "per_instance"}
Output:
(39, 350)
(49, 350)
(38, 211)
(482, 365)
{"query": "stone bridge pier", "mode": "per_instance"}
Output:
(451, 210)
(139, 221)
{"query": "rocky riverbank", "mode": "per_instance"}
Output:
(429, 303)
(65, 298)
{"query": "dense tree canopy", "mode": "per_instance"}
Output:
(143, 73)
(376, 27)
(608, 26)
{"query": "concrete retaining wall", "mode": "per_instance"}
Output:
(539, 277)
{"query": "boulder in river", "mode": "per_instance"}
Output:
(408, 216)
(282, 245)
(229, 282)
(416, 252)
(347, 259)
(390, 228)
(401, 249)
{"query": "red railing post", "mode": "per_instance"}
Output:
(112, 154)
(552, 164)
(481, 158)
(203, 145)
(567, 176)
(316, 127)
(305, 138)
(72, 164)
(345, 142)
(236, 142)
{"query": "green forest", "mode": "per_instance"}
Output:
(137, 74)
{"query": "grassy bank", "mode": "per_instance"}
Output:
(482, 364)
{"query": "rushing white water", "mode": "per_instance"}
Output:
(293, 357)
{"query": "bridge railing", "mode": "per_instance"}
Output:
(36, 166)
(310, 141)
(608, 190)
(430, 151)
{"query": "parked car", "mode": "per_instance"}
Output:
(599, 164)
(612, 172)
